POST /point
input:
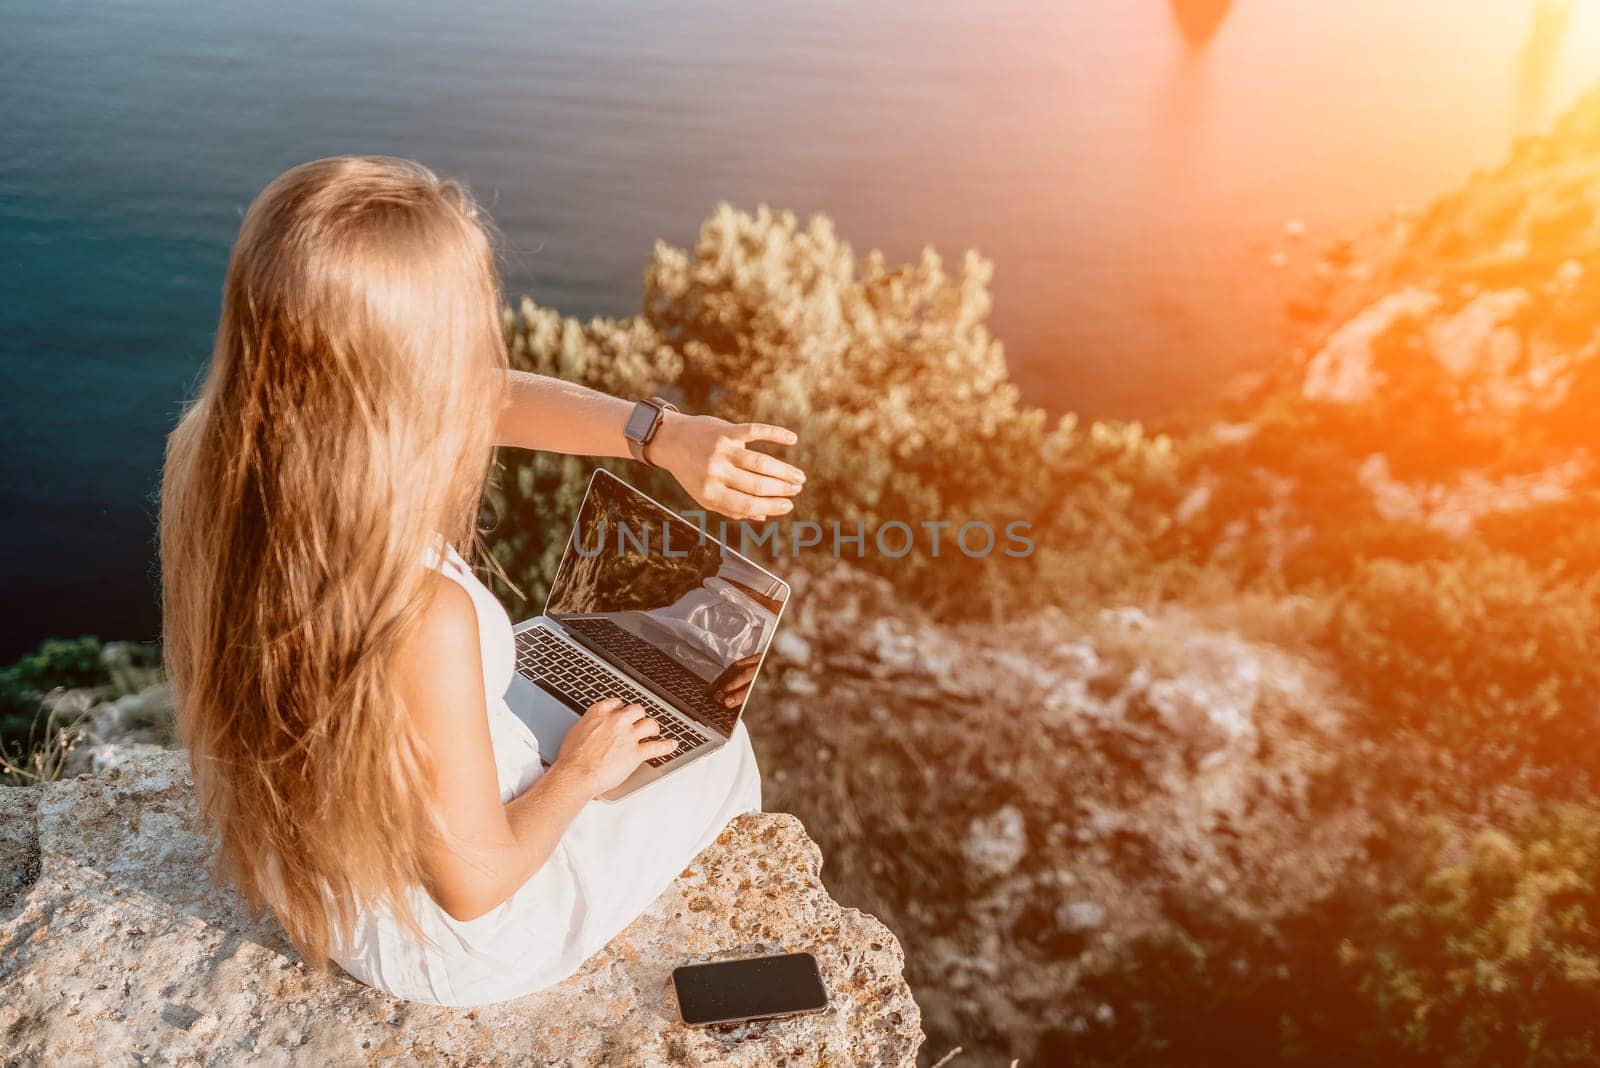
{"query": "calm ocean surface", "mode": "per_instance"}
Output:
(1130, 188)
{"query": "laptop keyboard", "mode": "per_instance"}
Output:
(561, 670)
(662, 670)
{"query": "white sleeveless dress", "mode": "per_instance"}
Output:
(613, 861)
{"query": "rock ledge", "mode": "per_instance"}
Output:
(116, 946)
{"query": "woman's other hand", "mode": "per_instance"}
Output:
(711, 458)
(732, 686)
(608, 744)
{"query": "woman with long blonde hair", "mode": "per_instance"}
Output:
(339, 668)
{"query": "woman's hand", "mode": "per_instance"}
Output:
(608, 744)
(733, 684)
(712, 460)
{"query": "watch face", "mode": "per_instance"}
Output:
(639, 423)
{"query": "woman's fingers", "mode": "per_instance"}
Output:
(654, 747)
(737, 504)
(609, 704)
(738, 673)
(748, 432)
(646, 728)
(758, 485)
(731, 686)
(745, 481)
(761, 464)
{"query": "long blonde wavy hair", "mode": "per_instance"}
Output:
(343, 429)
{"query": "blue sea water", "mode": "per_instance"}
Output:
(1130, 187)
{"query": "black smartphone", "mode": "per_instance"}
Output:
(756, 988)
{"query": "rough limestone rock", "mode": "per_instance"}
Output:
(1026, 799)
(1343, 370)
(1455, 507)
(115, 947)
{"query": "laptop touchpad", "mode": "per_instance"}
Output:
(546, 717)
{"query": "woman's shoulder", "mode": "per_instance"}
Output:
(437, 660)
(447, 622)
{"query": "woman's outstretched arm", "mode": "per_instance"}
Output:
(710, 457)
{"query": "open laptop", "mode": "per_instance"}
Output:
(648, 608)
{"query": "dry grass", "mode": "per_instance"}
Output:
(44, 758)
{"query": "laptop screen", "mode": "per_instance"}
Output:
(669, 605)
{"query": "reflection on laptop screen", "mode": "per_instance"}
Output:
(672, 607)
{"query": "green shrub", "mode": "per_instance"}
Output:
(1489, 656)
(1224, 990)
(1488, 953)
(1564, 533)
(902, 400)
(1496, 961)
(58, 662)
(19, 709)
(72, 663)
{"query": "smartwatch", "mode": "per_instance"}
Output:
(643, 424)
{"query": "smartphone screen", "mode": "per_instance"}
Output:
(730, 990)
